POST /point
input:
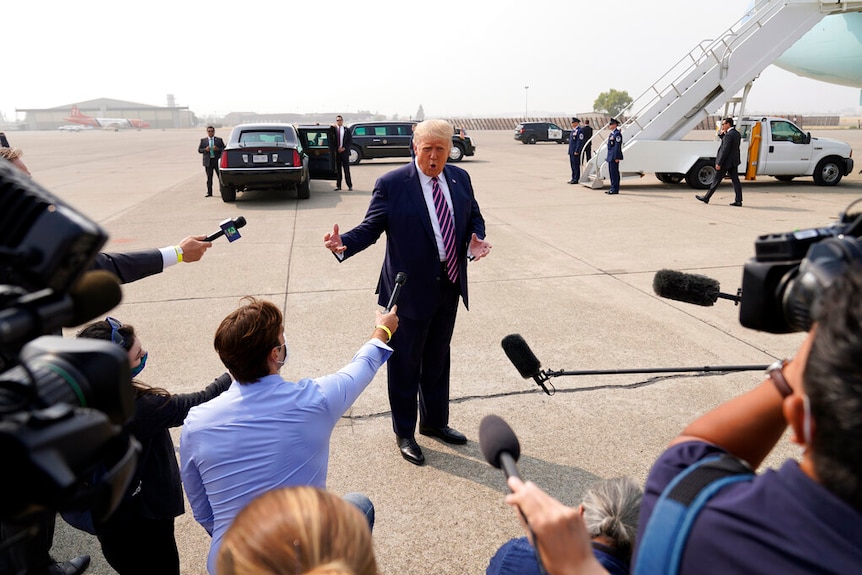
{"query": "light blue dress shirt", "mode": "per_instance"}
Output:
(268, 434)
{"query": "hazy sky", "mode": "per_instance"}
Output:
(454, 57)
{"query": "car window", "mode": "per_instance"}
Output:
(785, 132)
(360, 131)
(379, 130)
(400, 130)
(317, 139)
(266, 137)
(553, 126)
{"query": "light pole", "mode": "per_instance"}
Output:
(525, 101)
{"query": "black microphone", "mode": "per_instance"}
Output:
(237, 223)
(689, 288)
(400, 278)
(499, 445)
(524, 360)
(45, 311)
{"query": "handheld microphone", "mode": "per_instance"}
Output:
(524, 360)
(228, 227)
(499, 445)
(400, 278)
(689, 288)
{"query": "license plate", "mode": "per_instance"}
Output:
(260, 158)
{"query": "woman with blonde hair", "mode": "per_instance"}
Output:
(297, 530)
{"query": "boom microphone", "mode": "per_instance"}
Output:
(524, 360)
(237, 223)
(97, 292)
(689, 288)
(499, 445)
(400, 278)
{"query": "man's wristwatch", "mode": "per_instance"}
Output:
(776, 374)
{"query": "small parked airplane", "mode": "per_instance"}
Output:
(108, 123)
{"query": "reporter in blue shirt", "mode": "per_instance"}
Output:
(265, 432)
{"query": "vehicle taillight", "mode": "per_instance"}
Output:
(296, 160)
(222, 163)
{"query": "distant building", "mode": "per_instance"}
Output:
(158, 117)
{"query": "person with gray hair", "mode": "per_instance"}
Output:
(610, 510)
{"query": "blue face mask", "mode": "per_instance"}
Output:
(140, 367)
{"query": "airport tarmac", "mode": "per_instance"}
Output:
(571, 270)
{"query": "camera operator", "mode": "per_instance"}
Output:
(805, 517)
(30, 552)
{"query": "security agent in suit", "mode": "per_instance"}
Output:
(576, 144)
(615, 154)
(210, 149)
(588, 138)
(402, 205)
(343, 139)
(726, 162)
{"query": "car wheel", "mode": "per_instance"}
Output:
(531, 139)
(456, 154)
(700, 176)
(355, 155)
(784, 178)
(303, 190)
(228, 193)
(828, 172)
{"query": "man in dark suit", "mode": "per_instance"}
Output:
(210, 149)
(343, 139)
(588, 138)
(433, 226)
(726, 162)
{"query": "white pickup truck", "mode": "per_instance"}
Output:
(771, 146)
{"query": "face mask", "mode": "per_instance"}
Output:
(286, 353)
(140, 367)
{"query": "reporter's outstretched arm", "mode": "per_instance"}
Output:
(749, 426)
(561, 535)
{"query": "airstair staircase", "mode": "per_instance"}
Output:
(711, 75)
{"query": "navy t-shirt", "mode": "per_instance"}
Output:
(781, 522)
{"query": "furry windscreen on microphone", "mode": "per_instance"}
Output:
(496, 437)
(689, 288)
(521, 356)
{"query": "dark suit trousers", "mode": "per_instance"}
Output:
(342, 162)
(210, 167)
(732, 171)
(575, 163)
(420, 366)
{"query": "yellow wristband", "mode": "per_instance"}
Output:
(179, 251)
(387, 330)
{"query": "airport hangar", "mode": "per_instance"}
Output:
(159, 117)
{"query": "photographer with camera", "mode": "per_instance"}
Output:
(805, 517)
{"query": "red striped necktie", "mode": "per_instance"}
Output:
(447, 230)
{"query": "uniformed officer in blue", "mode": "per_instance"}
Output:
(576, 144)
(615, 154)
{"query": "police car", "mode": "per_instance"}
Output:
(532, 132)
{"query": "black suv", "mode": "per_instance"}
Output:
(532, 132)
(392, 140)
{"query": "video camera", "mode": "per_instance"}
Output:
(62, 402)
(782, 284)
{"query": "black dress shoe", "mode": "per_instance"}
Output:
(737, 204)
(572, 182)
(75, 566)
(446, 433)
(703, 199)
(349, 188)
(610, 193)
(337, 188)
(410, 450)
(208, 196)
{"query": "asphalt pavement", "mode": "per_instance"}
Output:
(571, 270)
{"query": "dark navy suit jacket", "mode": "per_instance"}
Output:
(398, 208)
